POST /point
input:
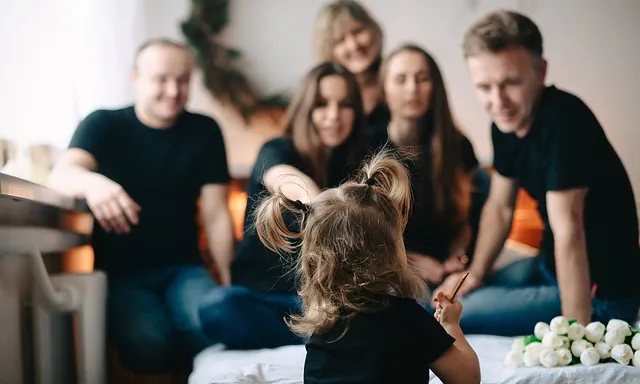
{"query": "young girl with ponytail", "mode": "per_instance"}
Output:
(359, 290)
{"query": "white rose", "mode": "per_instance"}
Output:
(590, 356)
(615, 336)
(514, 359)
(576, 331)
(594, 331)
(636, 359)
(518, 345)
(566, 343)
(551, 340)
(616, 324)
(549, 358)
(532, 354)
(530, 359)
(564, 357)
(622, 353)
(578, 346)
(541, 329)
(559, 325)
(603, 349)
(635, 342)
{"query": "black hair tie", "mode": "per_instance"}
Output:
(370, 182)
(301, 206)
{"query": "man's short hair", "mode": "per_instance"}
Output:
(500, 30)
(162, 42)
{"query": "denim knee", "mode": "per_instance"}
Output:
(222, 304)
(223, 313)
(184, 296)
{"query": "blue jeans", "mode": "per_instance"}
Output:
(153, 317)
(523, 293)
(241, 318)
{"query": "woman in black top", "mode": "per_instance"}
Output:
(439, 230)
(359, 293)
(323, 145)
(347, 33)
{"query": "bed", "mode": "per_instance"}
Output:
(284, 366)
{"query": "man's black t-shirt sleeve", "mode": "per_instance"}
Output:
(430, 338)
(569, 145)
(91, 133)
(215, 169)
(502, 159)
(468, 155)
(278, 151)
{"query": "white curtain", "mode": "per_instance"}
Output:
(61, 60)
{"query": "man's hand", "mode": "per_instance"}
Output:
(429, 268)
(449, 284)
(454, 264)
(111, 205)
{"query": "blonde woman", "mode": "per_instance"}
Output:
(345, 32)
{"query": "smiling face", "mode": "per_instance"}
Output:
(161, 81)
(508, 84)
(407, 85)
(333, 115)
(356, 46)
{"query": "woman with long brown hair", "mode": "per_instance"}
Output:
(439, 230)
(323, 146)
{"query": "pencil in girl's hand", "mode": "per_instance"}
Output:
(455, 291)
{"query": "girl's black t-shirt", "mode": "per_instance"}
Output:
(394, 345)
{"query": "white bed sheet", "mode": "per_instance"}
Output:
(284, 366)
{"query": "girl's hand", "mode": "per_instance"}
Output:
(447, 312)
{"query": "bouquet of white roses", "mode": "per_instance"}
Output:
(565, 342)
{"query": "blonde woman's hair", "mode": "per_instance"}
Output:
(330, 24)
(350, 250)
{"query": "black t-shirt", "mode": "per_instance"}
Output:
(378, 119)
(567, 148)
(424, 233)
(163, 170)
(255, 266)
(395, 345)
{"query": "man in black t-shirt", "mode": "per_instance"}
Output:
(142, 170)
(548, 142)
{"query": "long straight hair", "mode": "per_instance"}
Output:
(449, 185)
(299, 126)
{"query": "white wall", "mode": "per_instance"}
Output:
(591, 46)
(61, 60)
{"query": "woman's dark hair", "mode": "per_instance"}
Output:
(299, 126)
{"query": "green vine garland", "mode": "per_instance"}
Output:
(219, 63)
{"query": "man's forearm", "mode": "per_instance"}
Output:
(572, 271)
(495, 224)
(220, 238)
(71, 180)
